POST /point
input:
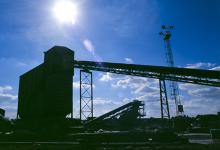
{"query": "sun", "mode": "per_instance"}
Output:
(65, 11)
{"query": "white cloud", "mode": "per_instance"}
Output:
(106, 77)
(200, 91)
(200, 99)
(197, 99)
(8, 101)
(5, 93)
(100, 101)
(143, 89)
(129, 60)
(103, 105)
(122, 83)
(200, 65)
(5, 88)
(14, 61)
(216, 68)
(138, 85)
(76, 85)
(8, 96)
(89, 46)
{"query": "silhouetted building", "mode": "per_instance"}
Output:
(46, 90)
(2, 112)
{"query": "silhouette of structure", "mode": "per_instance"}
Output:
(166, 34)
(45, 96)
(86, 95)
(127, 114)
(186, 75)
(164, 105)
(2, 112)
(46, 90)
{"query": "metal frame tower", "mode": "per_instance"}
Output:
(166, 34)
(165, 113)
(86, 95)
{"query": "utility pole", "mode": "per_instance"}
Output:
(166, 34)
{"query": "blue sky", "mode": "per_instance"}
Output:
(115, 31)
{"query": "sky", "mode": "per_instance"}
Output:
(124, 31)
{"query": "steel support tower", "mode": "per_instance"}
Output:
(165, 112)
(166, 34)
(86, 95)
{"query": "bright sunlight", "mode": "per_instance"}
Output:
(65, 11)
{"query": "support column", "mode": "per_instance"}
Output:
(165, 113)
(86, 95)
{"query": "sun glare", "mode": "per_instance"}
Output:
(65, 11)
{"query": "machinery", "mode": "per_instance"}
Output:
(166, 34)
(126, 115)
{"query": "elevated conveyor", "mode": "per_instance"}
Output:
(195, 76)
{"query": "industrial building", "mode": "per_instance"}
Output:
(46, 90)
(45, 96)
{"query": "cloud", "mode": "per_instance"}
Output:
(216, 68)
(91, 49)
(197, 99)
(200, 99)
(129, 60)
(200, 91)
(103, 105)
(5, 88)
(8, 101)
(5, 93)
(8, 96)
(14, 61)
(76, 85)
(143, 89)
(101, 101)
(106, 77)
(89, 46)
(138, 85)
(200, 65)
